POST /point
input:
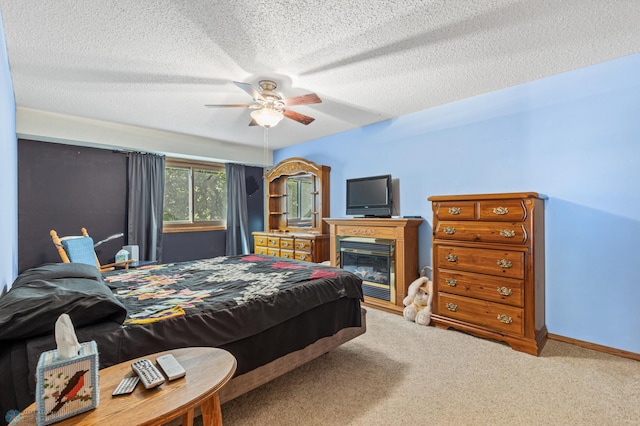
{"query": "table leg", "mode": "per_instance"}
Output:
(188, 417)
(211, 413)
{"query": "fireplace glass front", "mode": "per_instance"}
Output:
(372, 259)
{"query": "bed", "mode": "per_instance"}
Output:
(272, 314)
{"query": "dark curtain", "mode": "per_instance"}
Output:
(145, 179)
(237, 216)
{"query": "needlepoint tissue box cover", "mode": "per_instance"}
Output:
(66, 387)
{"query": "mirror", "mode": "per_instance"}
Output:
(300, 200)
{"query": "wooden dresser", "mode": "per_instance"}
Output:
(297, 201)
(488, 267)
(307, 247)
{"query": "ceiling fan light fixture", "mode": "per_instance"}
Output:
(267, 117)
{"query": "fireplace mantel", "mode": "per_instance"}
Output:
(405, 233)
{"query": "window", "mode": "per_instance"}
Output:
(195, 196)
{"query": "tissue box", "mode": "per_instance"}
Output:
(122, 255)
(66, 387)
(133, 252)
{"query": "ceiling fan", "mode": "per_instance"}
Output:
(269, 106)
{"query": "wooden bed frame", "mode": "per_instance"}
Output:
(252, 379)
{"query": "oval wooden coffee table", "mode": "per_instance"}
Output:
(208, 369)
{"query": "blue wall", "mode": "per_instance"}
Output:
(8, 172)
(574, 137)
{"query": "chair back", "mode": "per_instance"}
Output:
(81, 249)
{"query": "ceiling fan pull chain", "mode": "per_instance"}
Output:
(266, 148)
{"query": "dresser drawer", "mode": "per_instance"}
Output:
(273, 242)
(303, 244)
(487, 314)
(287, 254)
(479, 286)
(260, 241)
(286, 243)
(485, 261)
(455, 210)
(261, 250)
(304, 249)
(484, 232)
(273, 252)
(502, 210)
(305, 256)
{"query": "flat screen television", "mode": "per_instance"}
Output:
(369, 196)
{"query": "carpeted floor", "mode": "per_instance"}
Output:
(400, 373)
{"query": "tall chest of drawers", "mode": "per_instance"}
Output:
(488, 267)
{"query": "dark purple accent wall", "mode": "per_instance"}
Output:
(67, 187)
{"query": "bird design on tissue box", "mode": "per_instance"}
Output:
(74, 385)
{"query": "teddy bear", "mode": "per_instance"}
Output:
(418, 301)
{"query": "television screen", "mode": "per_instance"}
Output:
(369, 196)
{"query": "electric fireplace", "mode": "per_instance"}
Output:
(373, 260)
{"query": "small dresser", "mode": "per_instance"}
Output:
(488, 267)
(307, 247)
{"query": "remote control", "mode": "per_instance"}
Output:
(171, 367)
(126, 386)
(149, 375)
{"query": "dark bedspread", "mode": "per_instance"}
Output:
(257, 307)
(232, 292)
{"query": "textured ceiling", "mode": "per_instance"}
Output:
(156, 63)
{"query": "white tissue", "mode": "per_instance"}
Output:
(68, 346)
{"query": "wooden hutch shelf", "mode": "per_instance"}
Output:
(294, 234)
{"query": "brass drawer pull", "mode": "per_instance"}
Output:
(504, 319)
(454, 210)
(303, 257)
(286, 255)
(273, 241)
(452, 257)
(504, 291)
(449, 230)
(504, 263)
(261, 241)
(285, 243)
(508, 233)
(451, 282)
(500, 210)
(302, 245)
(452, 307)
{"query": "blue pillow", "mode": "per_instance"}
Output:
(80, 250)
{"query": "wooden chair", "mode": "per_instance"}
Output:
(81, 249)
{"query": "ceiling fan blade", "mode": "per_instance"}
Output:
(310, 98)
(300, 118)
(230, 106)
(249, 89)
